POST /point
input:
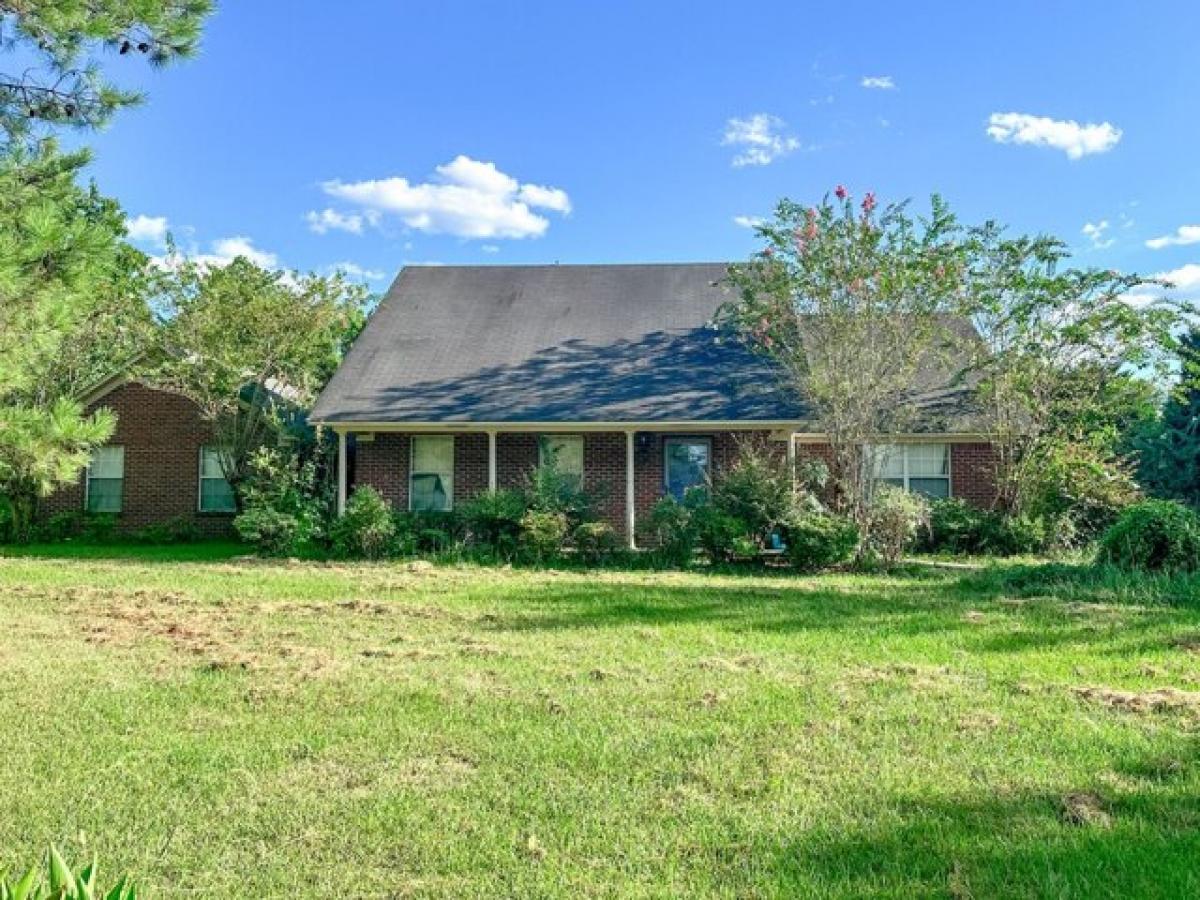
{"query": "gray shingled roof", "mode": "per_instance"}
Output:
(591, 343)
(608, 343)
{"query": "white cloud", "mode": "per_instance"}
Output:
(878, 82)
(331, 220)
(749, 221)
(760, 139)
(467, 198)
(1072, 138)
(1184, 235)
(147, 229)
(1184, 281)
(221, 253)
(490, 248)
(354, 270)
(1095, 232)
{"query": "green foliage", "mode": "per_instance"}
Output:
(1168, 449)
(897, 518)
(956, 526)
(57, 40)
(756, 491)
(56, 881)
(549, 490)
(673, 533)
(428, 531)
(248, 345)
(366, 530)
(493, 519)
(721, 535)
(543, 533)
(285, 501)
(817, 540)
(1154, 536)
(1078, 489)
(596, 542)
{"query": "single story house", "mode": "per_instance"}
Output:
(465, 374)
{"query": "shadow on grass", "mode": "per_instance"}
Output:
(196, 551)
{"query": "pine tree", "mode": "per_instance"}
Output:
(1169, 451)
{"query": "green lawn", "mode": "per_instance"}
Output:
(223, 727)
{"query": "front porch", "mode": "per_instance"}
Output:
(626, 469)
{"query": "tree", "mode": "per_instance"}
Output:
(54, 42)
(1169, 448)
(853, 302)
(1060, 347)
(248, 346)
(61, 259)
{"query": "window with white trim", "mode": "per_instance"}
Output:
(921, 468)
(216, 493)
(567, 452)
(431, 473)
(105, 480)
(686, 464)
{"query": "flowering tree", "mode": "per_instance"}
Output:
(853, 300)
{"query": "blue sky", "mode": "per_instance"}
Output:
(577, 132)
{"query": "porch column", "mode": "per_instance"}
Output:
(491, 460)
(791, 459)
(630, 493)
(341, 497)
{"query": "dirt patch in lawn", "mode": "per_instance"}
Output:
(1158, 700)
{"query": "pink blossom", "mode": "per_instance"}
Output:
(810, 230)
(840, 192)
(868, 203)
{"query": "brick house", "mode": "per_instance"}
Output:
(465, 374)
(160, 464)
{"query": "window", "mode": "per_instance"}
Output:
(922, 468)
(431, 479)
(216, 494)
(687, 464)
(105, 480)
(567, 451)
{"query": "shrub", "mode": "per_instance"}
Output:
(1079, 490)
(756, 491)
(1155, 535)
(494, 519)
(176, 530)
(60, 883)
(549, 490)
(818, 540)
(721, 535)
(956, 526)
(428, 531)
(595, 541)
(366, 528)
(285, 504)
(896, 517)
(1014, 535)
(543, 533)
(673, 532)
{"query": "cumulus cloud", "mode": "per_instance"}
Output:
(221, 253)
(1185, 286)
(331, 220)
(490, 248)
(1184, 235)
(466, 198)
(1071, 137)
(147, 229)
(1095, 232)
(760, 139)
(749, 221)
(354, 270)
(878, 82)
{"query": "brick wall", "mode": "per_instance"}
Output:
(383, 463)
(162, 434)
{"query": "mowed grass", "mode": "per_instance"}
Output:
(224, 727)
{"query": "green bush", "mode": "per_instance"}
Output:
(818, 540)
(551, 491)
(428, 531)
(366, 528)
(896, 519)
(756, 491)
(493, 519)
(286, 504)
(672, 532)
(176, 530)
(595, 542)
(722, 536)
(58, 882)
(1078, 490)
(272, 532)
(956, 526)
(543, 534)
(1154, 536)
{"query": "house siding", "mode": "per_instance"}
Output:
(162, 434)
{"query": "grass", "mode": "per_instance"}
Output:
(223, 727)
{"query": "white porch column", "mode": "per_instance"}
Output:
(791, 458)
(341, 495)
(491, 460)
(630, 493)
